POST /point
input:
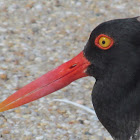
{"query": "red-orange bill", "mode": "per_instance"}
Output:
(48, 83)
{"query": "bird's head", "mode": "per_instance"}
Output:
(113, 47)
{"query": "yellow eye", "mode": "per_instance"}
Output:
(104, 42)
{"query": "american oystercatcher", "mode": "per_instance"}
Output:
(112, 56)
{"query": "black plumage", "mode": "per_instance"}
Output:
(116, 94)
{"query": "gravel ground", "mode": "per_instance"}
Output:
(35, 37)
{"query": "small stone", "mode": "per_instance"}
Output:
(95, 137)
(38, 59)
(17, 111)
(81, 121)
(35, 30)
(10, 44)
(2, 126)
(28, 138)
(30, 5)
(61, 111)
(73, 122)
(33, 21)
(108, 138)
(86, 122)
(80, 102)
(3, 76)
(87, 133)
(6, 131)
(38, 7)
(39, 138)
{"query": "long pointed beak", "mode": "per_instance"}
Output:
(48, 83)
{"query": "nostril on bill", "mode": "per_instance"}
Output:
(72, 66)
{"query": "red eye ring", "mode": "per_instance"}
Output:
(106, 37)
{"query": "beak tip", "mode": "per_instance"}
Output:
(2, 107)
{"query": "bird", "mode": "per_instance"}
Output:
(112, 56)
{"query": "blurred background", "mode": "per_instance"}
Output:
(37, 36)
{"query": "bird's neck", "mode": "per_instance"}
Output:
(116, 101)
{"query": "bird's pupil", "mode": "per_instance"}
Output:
(103, 42)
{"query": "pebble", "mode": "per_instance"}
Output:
(39, 138)
(96, 138)
(38, 7)
(5, 132)
(17, 111)
(3, 76)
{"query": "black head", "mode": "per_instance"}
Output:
(126, 47)
(115, 95)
